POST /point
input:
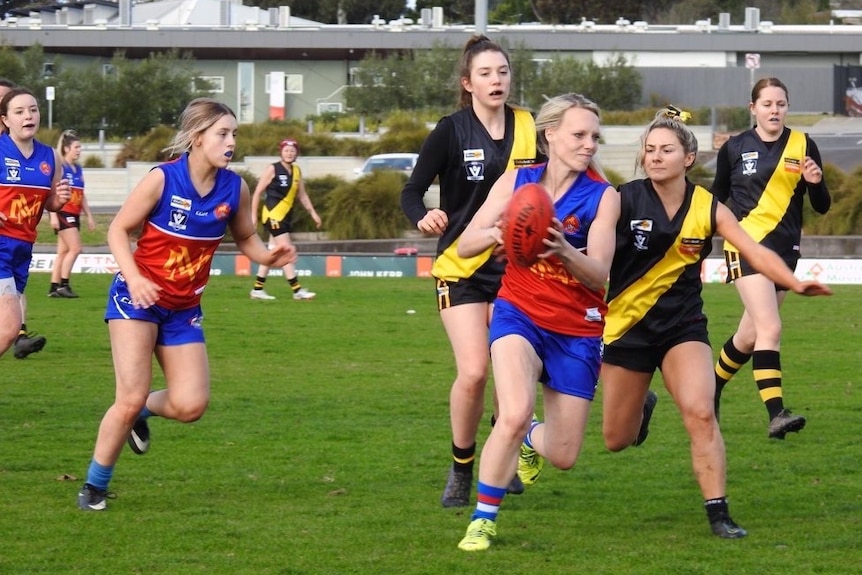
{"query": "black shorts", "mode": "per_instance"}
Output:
(450, 294)
(68, 221)
(647, 359)
(279, 227)
(738, 267)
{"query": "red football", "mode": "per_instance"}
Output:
(525, 224)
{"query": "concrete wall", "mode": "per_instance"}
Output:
(810, 91)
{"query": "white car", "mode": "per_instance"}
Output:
(403, 163)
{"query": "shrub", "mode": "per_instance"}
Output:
(147, 148)
(318, 189)
(845, 215)
(93, 162)
(368, 208)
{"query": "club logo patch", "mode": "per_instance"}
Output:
(222, 211)
(571, 224)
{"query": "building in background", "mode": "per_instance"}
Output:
(240, 49)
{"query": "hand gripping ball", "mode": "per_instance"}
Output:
(525, 224)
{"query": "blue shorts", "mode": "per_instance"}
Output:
(176, 326)
(15, 256)
(570, 364)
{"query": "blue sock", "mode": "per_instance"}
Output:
(489, 500)
(99, 475)
(145, 413)
(528, 439)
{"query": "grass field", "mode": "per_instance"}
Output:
(326, 446)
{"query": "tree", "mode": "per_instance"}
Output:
(338, 11)
(511, 12)
(11, 66)
(571, 12)
(614, 86)
(146, 93)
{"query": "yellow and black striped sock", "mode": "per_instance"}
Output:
(730, 361)
(767, 374)
(294, 284)
(259, 282)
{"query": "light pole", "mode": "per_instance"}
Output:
(49, 95)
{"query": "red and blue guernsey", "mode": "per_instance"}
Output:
(24, 187)
(75, 174)
(546, 291)
(182, 232)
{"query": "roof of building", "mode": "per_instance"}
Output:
(225, 29)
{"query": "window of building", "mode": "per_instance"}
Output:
(214, 84)
(293, 83)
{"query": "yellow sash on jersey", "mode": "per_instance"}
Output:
(281, 209)
(775, 200)
(632, 304)
(448, 265)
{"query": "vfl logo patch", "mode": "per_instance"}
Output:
(282, 181)
(13, 174)
(181, 203)
(640, 231)
(749, 163)
(179, 219)
(475, 171)
(792, 165)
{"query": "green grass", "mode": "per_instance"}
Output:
(326, 444)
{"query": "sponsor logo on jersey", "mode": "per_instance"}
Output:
(181, 203)
(12, 162)
(477, 155)
(45, 168)
(792, 165)
(593, 314)
(691, 246)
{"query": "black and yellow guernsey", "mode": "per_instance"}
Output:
(281, 192)
(468, 162)
(768, 188)
(655, 284)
